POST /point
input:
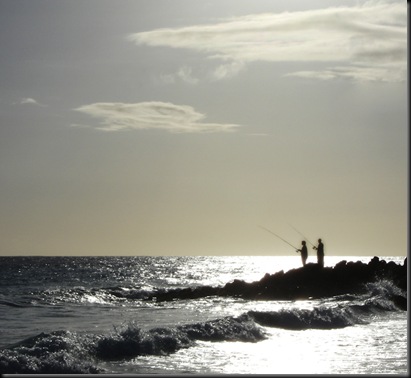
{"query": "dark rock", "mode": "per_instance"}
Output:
(310, 281)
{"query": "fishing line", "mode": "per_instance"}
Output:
(301, 234)
(278, 236)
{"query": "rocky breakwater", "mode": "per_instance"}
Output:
(311, 281)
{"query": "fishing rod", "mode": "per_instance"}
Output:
(301, 234)
(278, 236)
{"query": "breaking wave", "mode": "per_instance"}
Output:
(297, 319)
(349, 310)
(59, 352)
(68, 352)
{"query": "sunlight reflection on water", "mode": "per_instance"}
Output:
(351, 350)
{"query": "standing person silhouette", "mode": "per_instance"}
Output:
(320, 253)
(304, 252)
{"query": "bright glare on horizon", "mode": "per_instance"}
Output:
(179, 127)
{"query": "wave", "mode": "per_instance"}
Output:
(59, 352)
(68, 352)
(299, 319)
(12, 304)
(134, 341)
(23, 302)
(323, 317)
(103, 296)
(382, 296)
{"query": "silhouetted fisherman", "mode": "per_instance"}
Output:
(320, 253)
(304, 252)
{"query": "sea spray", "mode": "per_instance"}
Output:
(60, 352)
(133, 341)
(241, 328)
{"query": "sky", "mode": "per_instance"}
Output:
(180, 127)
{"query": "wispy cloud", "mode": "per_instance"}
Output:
(227, 70)
(151, 115)
(184, 74)
(28, 100)
(390, 73)
(365, 38)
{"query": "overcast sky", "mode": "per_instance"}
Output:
(169, 127)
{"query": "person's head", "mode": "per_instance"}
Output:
(303, 242)
(319, 240)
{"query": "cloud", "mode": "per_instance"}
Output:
(28, 100)
(151, 115)
(228, 70)
(370, 35)
(184, 74)
(390, 73)
(223, 71)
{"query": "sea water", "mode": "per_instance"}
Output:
(90, 315)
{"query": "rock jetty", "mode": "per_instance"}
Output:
(310, 281)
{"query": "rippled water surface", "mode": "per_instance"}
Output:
(89, 314)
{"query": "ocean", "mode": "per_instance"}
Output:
(91, 315)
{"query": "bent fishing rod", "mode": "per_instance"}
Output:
(285, 241)
(301, 234)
